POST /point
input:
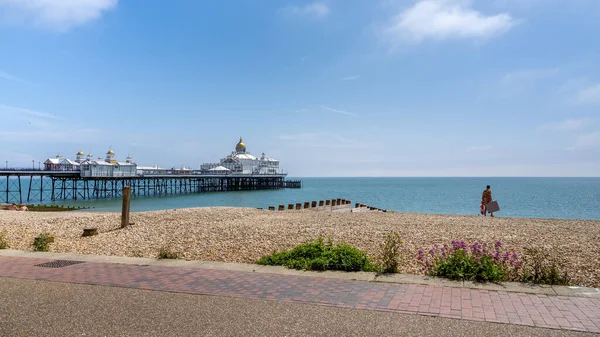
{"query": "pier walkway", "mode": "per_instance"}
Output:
(579, 313)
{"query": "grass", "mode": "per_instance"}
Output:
(41, 243)
(318, 255)
(3, 241)
(167, 253)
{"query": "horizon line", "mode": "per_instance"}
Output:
(481, 177)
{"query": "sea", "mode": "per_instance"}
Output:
(561, 198)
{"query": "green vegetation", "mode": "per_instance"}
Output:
(3, 241)
(390, 253)
(318, 255)
(540, 267)
(167, 253)
(137, 253)
(491, 263)
(42, 243)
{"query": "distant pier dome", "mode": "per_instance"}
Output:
(80, 157)
(110, 152)
(240, 147)
(58, 155)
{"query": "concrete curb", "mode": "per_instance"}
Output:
(359, 276)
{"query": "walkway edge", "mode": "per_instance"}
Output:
(359, 276)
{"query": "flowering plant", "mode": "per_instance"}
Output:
(475, 262)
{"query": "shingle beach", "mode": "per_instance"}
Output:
(243, 235)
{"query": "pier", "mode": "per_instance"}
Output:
(40, 185)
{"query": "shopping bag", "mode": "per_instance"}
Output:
(492, 206)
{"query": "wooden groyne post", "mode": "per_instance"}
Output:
(126, 206)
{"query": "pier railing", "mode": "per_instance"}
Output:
(17, 186)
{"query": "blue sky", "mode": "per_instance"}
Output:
(330, 88)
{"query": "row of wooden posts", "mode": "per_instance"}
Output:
(312, 204)
(370, 207)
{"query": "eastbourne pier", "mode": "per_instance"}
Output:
(86, 178)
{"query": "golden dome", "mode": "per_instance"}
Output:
(80, 153)
(240, 145)
(110, 152)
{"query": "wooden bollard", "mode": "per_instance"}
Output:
(307, 204)
(290, 206)
(321, 202)
(281, 208)
(271, 208)
(314, 204)
(298, 206)
(327, 202)
(89, 231)
(343, 201)
(126, 206)
(357, 205)
(338, 202)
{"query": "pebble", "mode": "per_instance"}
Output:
(245, 234)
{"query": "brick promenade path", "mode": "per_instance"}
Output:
(559, 312)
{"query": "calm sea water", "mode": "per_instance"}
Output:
(567, 198)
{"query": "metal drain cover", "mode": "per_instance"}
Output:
(58, 263)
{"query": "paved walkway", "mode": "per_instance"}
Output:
(558, 312)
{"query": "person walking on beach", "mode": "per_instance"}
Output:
(486, 198)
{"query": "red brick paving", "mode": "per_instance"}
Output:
(558, 312)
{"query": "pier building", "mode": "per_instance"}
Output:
(86, 178)
(241, 161)
(88, 167)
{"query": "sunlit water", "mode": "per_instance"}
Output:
(568, 198)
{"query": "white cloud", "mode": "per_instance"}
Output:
(317, 10)
(567, 125)
(528, 75)
(58, 15)
(10, 77)
(16, 111)
(479, 148)
(339, 111)
(76, 136)
(299, 137)
(586, 141)
(350, 78)
(21, 125)
(589, 95)
(447, 19)
(323, 140)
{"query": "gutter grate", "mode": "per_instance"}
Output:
(58, 263)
